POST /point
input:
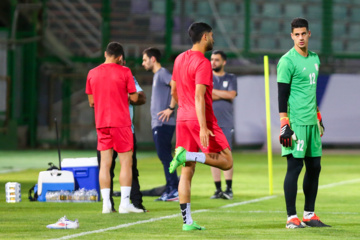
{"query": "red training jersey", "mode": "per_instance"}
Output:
(110, 83)
(191, 68)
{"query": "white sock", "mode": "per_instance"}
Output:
(105, 193)
(125, 196)
(308, 215)
(195, 157)
(291, 217)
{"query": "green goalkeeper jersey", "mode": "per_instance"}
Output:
(301, 73)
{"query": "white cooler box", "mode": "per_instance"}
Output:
(54, 180)
(86, 172)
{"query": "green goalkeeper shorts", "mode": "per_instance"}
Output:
(308, 142)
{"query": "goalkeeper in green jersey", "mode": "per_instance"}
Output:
(301, 124)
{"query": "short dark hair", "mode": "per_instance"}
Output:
(115, 49)
(196, 31)
(299, 23)
(153, 52)
(222, 54)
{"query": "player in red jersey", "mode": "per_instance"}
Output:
(109, 87)
(196, 125)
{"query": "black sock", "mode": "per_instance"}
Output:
(228, 184)
(183, 211)
(218, 185)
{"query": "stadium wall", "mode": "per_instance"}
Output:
(338, 100)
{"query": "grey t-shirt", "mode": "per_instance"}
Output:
(223, 109)
(161, 97)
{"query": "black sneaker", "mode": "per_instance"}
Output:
(228, 194)
(314, 221)
(218, 194)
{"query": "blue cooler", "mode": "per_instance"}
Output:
(54, 180)
(86, 172)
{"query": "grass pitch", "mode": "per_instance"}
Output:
(252, 214)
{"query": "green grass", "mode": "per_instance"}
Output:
(337, 205)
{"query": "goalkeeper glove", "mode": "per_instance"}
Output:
(285, 132)
(320, 124)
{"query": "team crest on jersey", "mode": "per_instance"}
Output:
(316, 67)
(225, 84)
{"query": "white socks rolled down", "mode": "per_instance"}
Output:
(195, 157)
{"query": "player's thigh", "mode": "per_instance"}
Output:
(187, 135)
(314, 148)
(126, 157)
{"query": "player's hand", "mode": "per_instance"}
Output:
(204, 136)
(165, 114)
(320, 124)
(285, 132)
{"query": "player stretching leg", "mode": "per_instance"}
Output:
(301, 124)
(196, 125)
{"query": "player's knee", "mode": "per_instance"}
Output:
(316, 169)
(126, 164)
(228, 164)
(189, 169)
(313, 165)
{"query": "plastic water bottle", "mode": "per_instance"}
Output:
(13, 192)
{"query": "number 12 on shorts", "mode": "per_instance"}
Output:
(300, 145)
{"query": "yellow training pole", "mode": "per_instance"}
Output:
(268, 123)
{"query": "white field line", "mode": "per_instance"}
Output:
(335, 184)
(282, 212)
(249, 201)
(197, 211)
(11, 170)
(152, 220)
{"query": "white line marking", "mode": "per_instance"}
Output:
(282, 212)
(126, 225)
(335, 184)
(197, 211)
(157, 219)
(250, 201)
(11, 170)
(339, 183)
